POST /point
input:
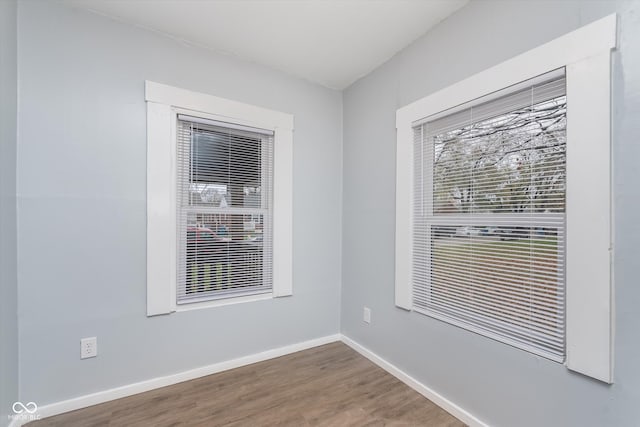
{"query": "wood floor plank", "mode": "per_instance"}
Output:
(327, 386)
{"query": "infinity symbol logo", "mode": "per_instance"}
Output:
(20, 407)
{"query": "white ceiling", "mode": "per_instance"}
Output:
(330, 42)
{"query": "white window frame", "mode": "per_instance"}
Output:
(586, 56)
(164, 103)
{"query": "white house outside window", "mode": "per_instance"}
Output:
(224, 202)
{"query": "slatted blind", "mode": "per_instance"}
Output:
(224, 201)
(489, 216)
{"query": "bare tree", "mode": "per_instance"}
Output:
(507, 164)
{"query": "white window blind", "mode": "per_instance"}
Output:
(225, 215)
(489, 216)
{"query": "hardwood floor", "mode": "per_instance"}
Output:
(331, 385)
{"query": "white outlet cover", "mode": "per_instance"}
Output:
(367, 315)
(88, 347)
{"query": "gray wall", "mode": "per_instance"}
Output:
(8, 266)
(500, 384)
(82, 197)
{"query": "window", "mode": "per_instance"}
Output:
(503, 202)
(218, 201)
(489, 216)
(225, 187)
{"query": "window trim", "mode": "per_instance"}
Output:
(585, 54)
(164, 103)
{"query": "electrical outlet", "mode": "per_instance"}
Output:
(88, 347)
(367, 315)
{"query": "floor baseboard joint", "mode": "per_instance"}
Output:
(446, 404)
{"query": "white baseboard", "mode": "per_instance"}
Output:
(430, 394)
(140, 387)
(130, 389)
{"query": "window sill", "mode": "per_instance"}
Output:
(222, 302)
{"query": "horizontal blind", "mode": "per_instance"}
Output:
(224, 202)
(489, 217)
